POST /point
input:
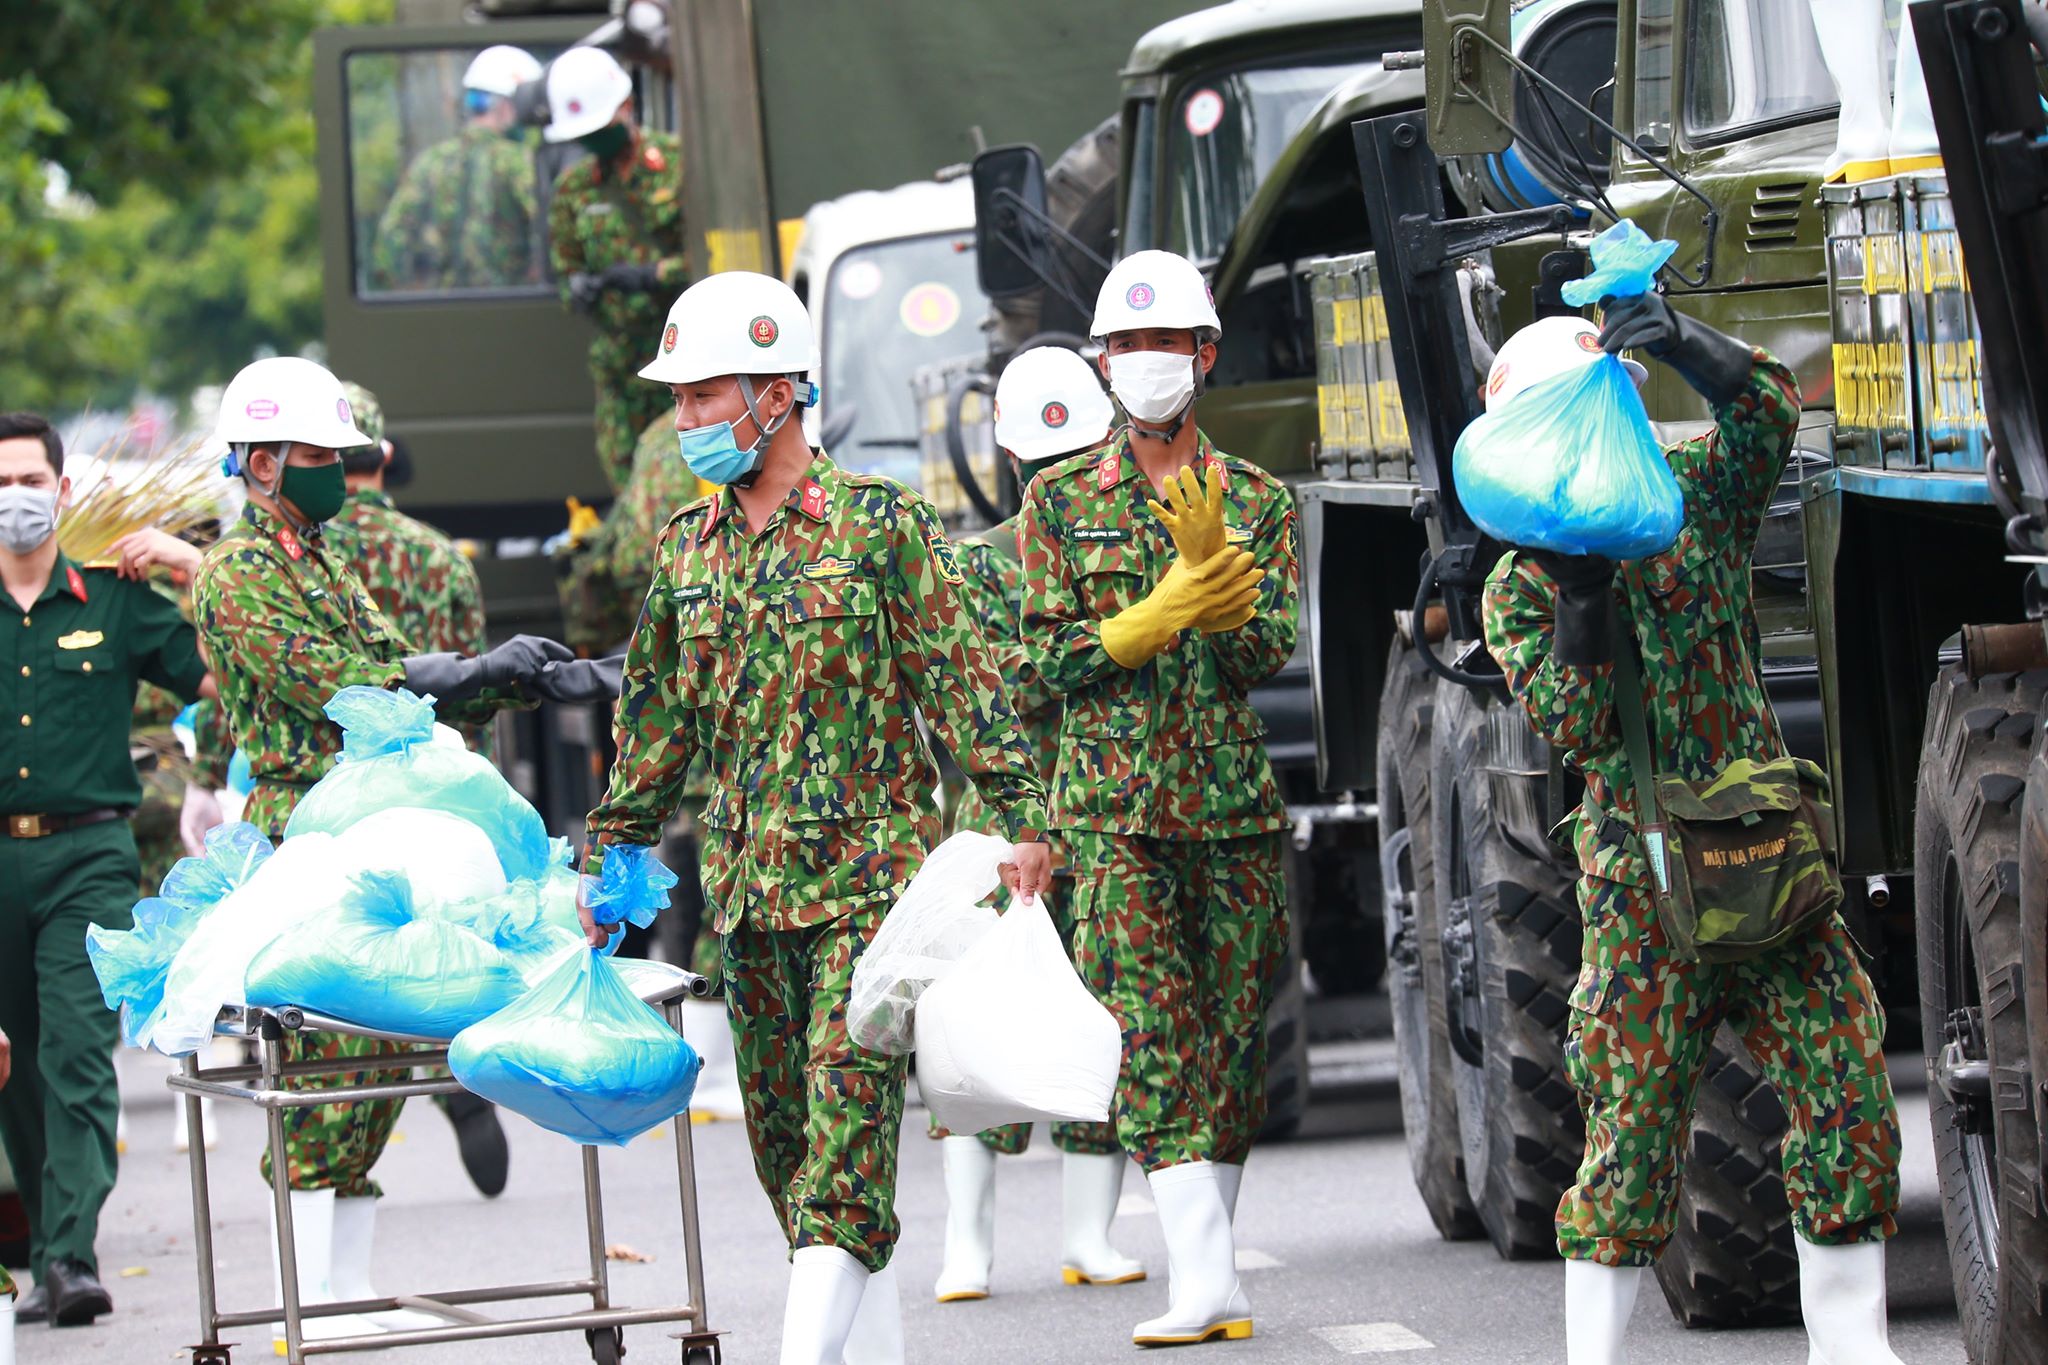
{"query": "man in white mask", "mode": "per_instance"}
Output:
(74, 641)
(1153, 621)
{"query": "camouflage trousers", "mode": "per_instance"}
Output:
(626, 403)
(1641, 1022)
(823, 1116)
(1183, 940)
(333, 1146)
(1013, 1139)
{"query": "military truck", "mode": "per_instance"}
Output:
(1897, 582)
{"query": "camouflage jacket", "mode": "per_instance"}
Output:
(604, 579)
(798, 660)
(1691, 610)
(462, 218)
(599, 219)
(285, 625)
(422, 583)
(992, 591)
(1171, 749)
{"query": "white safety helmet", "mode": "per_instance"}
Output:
(286, 398)
(734, 322)
(586, 86)
(501, 70)
(1545, 349)
(1050, 402)
(1156, 289)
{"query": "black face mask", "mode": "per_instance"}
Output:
(608, 141)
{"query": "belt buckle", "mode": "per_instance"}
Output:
(26, 826)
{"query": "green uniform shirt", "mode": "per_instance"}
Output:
(462, 218)
(423, 584)
(606, 577)
(1171, 749)
(992, 590)
(600, 217)
(798, 661)
(69, 667)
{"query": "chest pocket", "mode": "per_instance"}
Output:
(832, 633)
(1691, 592)
(701, 657)
(82, 683)
(1109, 577)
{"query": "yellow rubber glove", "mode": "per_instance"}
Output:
(1193, 514)
(583, 522)
(1225, 587)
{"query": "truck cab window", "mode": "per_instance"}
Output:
(1752, 62)
(1652, 88)
(447, 190)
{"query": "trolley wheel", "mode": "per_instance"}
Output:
(700, 1355)
(212, 1355)
(607, 1345)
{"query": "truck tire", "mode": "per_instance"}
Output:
(1415, 959)
(1287, 1026)
(1730, 1261)
(1080, 196)
(1971, 865)
(1509, 924)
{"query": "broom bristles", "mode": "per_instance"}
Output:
(175, 490)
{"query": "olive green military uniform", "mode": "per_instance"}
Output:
(992, 589)
(1164, 799)
(798, 660)
(463, 217)
(601, 217)
(68, 672)
(1641, 1017)
(287, 625)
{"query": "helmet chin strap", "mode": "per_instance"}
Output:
(765, 432)
(304, 530)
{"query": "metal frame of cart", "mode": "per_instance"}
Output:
(266, 1085)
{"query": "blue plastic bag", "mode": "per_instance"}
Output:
(374, 962)
(634, 886)
(133, 964)
(1625, 264)
(390, 757)
(1571, 465)
(580, 1055)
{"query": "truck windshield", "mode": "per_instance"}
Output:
(1225, 134)
(890, 308)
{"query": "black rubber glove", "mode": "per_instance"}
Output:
(1715, 364)
(632, 279)
(583, 291)
(453, 677)
(579, 680)
(1582, 634)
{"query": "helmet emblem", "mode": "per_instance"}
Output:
(1140, 296)
(763, 331)
(668, 339)
(341, 411)
(1589, 341)
(262, 409)
(1054, 415)
(575, 106)
(1498, 382)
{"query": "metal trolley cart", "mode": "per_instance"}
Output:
(268, 1085)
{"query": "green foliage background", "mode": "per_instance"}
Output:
(189, 239)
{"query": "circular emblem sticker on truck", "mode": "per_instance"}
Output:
(860, 280)
(668, 339)
(262, 409)
(1203, 111)
(1140, 296)
(929, 309)
(763, 331)
(1055, 415)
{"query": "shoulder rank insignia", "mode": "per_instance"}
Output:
(831, 566)
(813, 494)
(1101, 535)
(80, 639)
(1109, 470)
(75, 581)
(290, 542)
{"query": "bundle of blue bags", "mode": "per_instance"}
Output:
(414, 892)
(1571, 464)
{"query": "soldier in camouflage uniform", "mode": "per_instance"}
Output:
(1154, 626)
(1049, 407)
(1642, 1017)
(615, 238)
(605, 575)
(798, 625)
(463, 215)
(287, 625)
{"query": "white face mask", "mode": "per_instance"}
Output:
(1153, 386)
(28, 517)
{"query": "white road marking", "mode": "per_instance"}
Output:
(1134, 1205)
(1248, 1259)
(1373, 1338)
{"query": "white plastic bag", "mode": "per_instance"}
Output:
(937, 919)
(1011, 1035)
(445, 859)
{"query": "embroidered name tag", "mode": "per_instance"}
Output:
(81, 639)
(691, 592)
(1102, 535)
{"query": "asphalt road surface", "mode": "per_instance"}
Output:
(1337, 1255)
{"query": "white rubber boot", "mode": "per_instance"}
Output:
(7, 1329)
(709, 1033)
(1598, 1302)
(825, 1290)
(1204, 1298)
(1915, 147)
(1089, 1187)
(877, 1334)
(1841, 1296)
(1230, 1179)
(1852, 43)
(313, 1249)
(355, 1240)
(970, 1219)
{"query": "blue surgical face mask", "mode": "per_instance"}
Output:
(715, 456)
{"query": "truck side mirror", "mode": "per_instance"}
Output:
(1459, 60)
(1009, 217)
